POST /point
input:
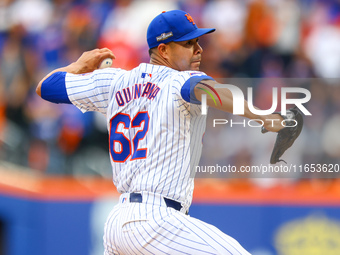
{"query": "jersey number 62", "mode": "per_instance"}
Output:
(125, 144)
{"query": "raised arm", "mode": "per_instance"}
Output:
(88, 62)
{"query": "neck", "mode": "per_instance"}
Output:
(158, 60)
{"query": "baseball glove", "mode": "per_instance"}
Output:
(286, 136)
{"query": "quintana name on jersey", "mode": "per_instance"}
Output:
(147, 90)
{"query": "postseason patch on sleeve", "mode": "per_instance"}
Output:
(196, 73)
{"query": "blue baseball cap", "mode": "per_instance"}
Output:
(173, 26)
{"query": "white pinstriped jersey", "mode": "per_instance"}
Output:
(149, 126)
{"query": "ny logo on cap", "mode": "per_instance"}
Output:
(190, 18)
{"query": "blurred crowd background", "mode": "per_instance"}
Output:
(259, 39)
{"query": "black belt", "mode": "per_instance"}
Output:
(137, 198)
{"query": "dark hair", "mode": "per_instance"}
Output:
(151, 51)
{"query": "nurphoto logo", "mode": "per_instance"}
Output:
(238, 99)
(238, 104)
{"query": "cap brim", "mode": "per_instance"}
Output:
(194, 34)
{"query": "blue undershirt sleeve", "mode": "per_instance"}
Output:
(53, 89)
(187, 91)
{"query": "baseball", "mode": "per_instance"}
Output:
(105, 63)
